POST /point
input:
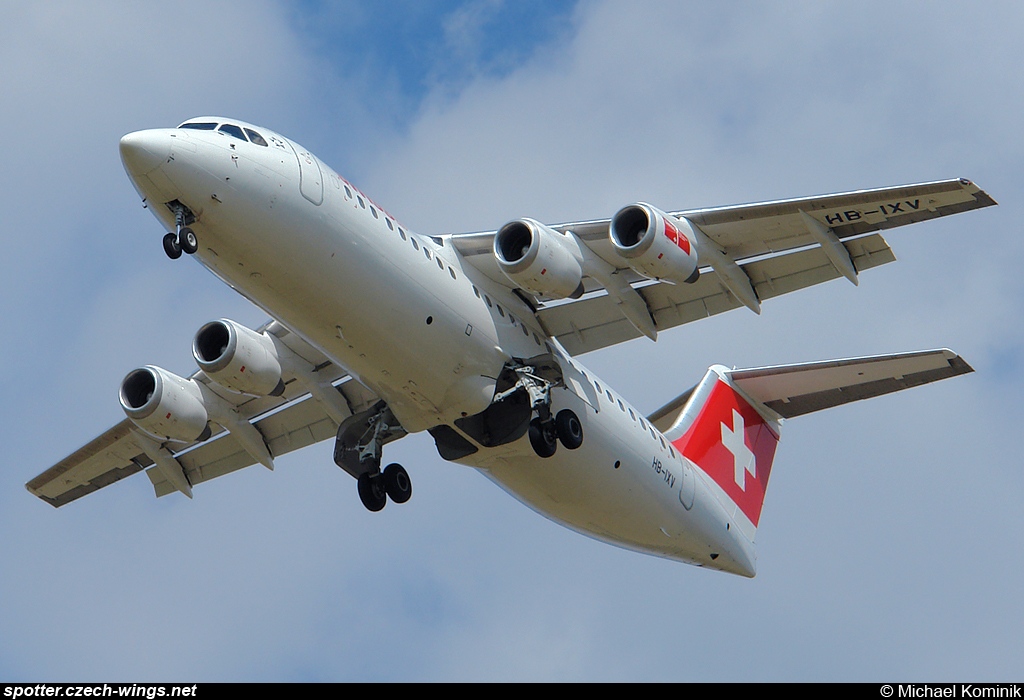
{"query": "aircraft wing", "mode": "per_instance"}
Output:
(287, 422)
(780, 246)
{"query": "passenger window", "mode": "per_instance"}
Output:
(361, 202)
(415, 245)
(374, 212)
(401, 232)
(501, 311)
(452, 273)
(388, 222)
(440, 265)
(232, 130)
(256, 138)
(348, 192)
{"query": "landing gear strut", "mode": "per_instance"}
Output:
(183, 240)
(358, 449)
(547, 431)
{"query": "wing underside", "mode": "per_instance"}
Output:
(286, 423)
(781, 246)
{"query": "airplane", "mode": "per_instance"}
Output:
(378, 331)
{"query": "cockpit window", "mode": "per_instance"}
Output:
(199, 126)
(256, 138)
(232, 130)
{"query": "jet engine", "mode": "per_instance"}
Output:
(539, 259)
(164, 404)
(655, 244)
(238, 358)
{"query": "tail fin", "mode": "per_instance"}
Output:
(730, 438)
(728, 425)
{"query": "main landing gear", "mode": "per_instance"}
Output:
(184, 240)
(358, 449)
(546, 434)
(376, 489)
(547, 431)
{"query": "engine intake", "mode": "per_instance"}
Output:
(539, 259)
(238, 358)
(165, 405)
(655, 244)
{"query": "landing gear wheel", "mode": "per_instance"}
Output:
(187, 240)
(171, 246)
(569, 429)
(542, 437)
(397, 483)
(372, 493)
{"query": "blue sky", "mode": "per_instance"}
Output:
(415, 48)
(890, 544)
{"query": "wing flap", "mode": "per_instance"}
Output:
(595, 322)
(300, 424)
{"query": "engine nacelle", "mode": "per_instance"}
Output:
(539, 259)
(238, 358)
(165, 405)
(655, 244)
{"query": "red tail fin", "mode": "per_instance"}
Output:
(730, 441)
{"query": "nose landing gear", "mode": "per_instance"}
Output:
(183, 240)
(187, 240)
(171, 246)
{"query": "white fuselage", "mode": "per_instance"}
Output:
(429, 334)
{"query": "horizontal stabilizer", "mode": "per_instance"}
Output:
(793, 390)
(729, 424)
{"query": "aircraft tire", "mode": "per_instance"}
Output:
(397, 483)
(569, 429)
(187, 240)
(171, 246)
(543, 441)
(372, 492)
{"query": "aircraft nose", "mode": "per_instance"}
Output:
(145, 151)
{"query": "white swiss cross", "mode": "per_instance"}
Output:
(743, 458)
